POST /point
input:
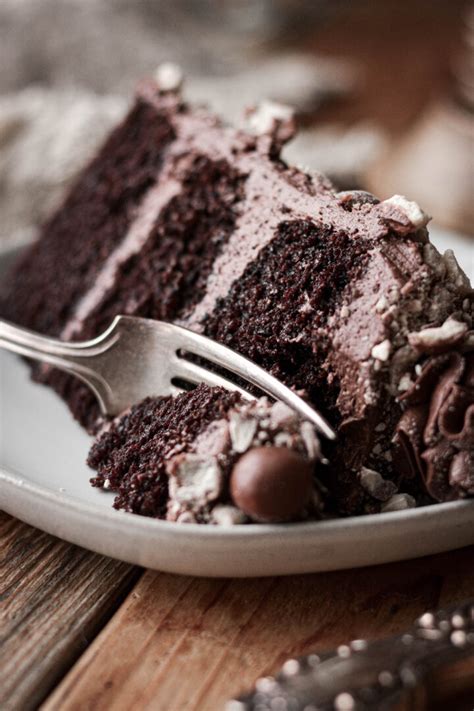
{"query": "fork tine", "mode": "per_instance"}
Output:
(239, 365)
(196, 374)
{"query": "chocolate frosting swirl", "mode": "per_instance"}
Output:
(434, 437)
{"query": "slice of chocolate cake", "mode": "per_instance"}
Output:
(337, 294)
(207, 456)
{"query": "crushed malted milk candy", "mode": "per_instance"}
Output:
(214, 440)
(281, 415)
(195, 480)
(375, 485)
(263, 119)
(399, 502)
(282, 439)
(242, 431)
(405, 383)
(382, 350)
(185, 517)
(382, 304)
(310, 439)
(224, 515)
(370, 396)
(412, 210)
(434, 339)
(169, 76)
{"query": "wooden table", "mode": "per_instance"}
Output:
(81, 631)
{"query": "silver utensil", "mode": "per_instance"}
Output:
(368, 676)
(137, 357)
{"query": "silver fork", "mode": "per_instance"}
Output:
(137, 357)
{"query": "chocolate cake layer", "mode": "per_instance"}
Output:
(284, 296)
(170, 272)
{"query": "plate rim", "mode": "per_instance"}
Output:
(64, 501)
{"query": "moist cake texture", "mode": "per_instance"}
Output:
(339, 295)
(207, 456)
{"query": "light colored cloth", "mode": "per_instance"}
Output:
(46, 136)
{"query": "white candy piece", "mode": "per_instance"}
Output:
(169, 76)
(405, 383)
(382, 304)
(399, 502)
(242, 431)
(310, 439)
(412, 210)
(438, 336)
(282, 415)
(224, 515)
(267, 114)
(197, 481)
(382, 350)
(376, 485)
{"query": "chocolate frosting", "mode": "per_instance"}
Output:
(434, 437)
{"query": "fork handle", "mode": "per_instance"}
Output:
(74, 358)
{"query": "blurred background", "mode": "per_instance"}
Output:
(384, 89)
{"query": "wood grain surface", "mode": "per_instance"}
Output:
(182, 644)
(53, 599)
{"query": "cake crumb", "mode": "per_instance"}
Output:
(405, 383)
(223, 515)
(382, 350)
(375, 485)
(399, 502)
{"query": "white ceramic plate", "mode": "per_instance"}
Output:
(45, 482)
